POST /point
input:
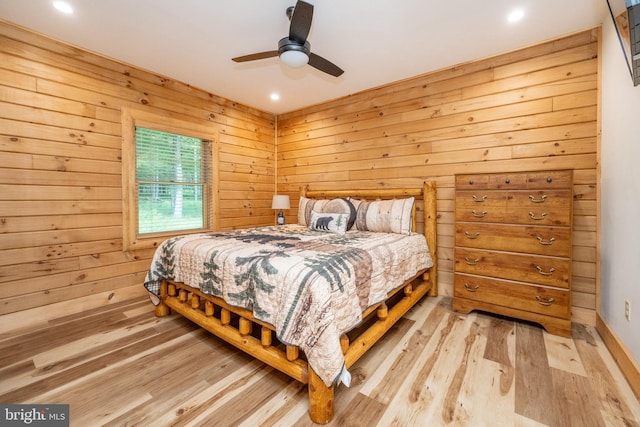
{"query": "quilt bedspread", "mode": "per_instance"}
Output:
(310, 286)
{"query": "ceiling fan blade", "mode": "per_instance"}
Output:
(322, 64)
(301, 21)
(254, 56)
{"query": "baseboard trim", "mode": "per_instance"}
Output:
(629, 367)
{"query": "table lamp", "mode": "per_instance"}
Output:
(280, 202)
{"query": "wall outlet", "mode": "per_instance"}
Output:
(627, 309)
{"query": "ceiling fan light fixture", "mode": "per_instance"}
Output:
(294, 58)
(293, 53)
(294, 50)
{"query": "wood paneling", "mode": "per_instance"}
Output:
(527, 110)
(60, 171)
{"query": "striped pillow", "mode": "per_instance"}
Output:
(386, 216)
(307, 206)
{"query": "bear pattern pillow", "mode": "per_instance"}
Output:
(387, 216)
(338, 205)
(331, 222)
(341, 205)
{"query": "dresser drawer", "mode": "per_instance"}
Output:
(520, 296)
(552, 207)
(516, 180)
(553, 217)
(544, 199)
(550, 271)
(481, 199)
(538, 240)
(550, 179)
(545, 207)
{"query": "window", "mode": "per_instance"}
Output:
(167, 179)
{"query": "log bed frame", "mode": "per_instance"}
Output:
(238, 327)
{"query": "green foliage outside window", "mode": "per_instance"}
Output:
(171, 181)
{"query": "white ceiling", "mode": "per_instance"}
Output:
(374, 41)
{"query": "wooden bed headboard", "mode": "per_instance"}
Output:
(426, 194)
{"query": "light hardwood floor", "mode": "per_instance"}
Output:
(120, 365)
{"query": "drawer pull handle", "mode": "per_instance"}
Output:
(545, 273)
(537, 218)
(469, 262)
(545, 301)
(471, 288)
(540, 200)
(472, 236)
(548, 242)
(479, 200)
(478, 215)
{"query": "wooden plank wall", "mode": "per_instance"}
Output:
(532, 109)
(60, 171)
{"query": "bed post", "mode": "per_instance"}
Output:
(320, 399)
(162, 309)
(430, 231)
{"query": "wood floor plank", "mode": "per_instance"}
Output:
(562, 354)
(487, 378)
(533, 393)
(500, 348)
(73, 348)
(255, 396)
(147, 413)
(521, 421)
(574, 391)
(363, 411)
(422, 396)
(44, 385)
(210, 404)
(122, 366)
(278, 407)
(606, 389)
(388, 385)
(453, 407)
(371, 362)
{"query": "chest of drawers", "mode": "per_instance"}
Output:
(513, 246)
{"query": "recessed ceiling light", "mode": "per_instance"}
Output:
(275, 97)
(63, 7)
(516, 15)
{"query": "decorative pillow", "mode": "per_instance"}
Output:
(329, 221)
(341, 205)
(387, 216)
(307, 206)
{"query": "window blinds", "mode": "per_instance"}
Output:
(172, 181)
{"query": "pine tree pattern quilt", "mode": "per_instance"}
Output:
(311, 286)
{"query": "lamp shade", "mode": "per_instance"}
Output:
(280, 202)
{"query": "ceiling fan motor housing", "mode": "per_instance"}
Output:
(286, 44)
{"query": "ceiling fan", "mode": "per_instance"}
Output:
(295, 50)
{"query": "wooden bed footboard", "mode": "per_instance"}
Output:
(238, 326)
